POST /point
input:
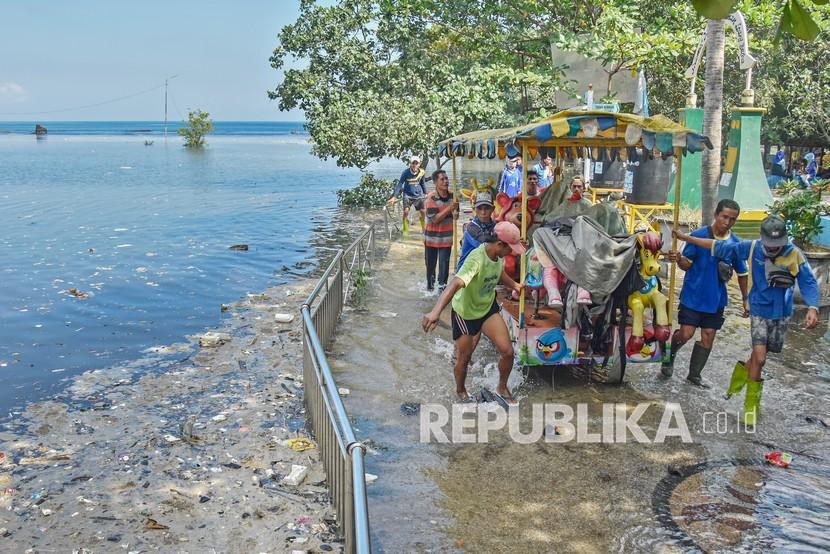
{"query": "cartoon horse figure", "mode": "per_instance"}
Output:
(649, 245)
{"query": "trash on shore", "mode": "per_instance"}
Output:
(778, 458)
(153, 524)
(78, 293)
(214, 338)
(343, 391)
(296, 476)
(239, 247)
(284, 318)
(370, 477)
(300, 444)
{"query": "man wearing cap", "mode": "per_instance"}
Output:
(776, 266)
(480, 229)
(475, 309)
(703, 296)
(413, 186)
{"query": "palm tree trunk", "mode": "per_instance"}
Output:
(712, 118)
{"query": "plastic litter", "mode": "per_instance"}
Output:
(778, 458)
(78, 293)
(296, 476)
(300, 444)
(153, 524)
(284, 318)
(344, 391)
(370, 478)
(214, 338)
(239, 247)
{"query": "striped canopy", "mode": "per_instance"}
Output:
(572, 129)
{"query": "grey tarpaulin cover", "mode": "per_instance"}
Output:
(588, 256)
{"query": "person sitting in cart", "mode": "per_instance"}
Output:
(532, 190)
(545, 170)
(475, 310)
(573, 205)
(510, 180)
(775, 267)
(413, 186)
(703, 296)
(480, 229)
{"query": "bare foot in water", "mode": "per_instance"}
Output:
(505, 393)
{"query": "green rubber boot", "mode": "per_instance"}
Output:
(667, 368)
(740, 375)
(405, 230)
(752, 402)
(700, 355)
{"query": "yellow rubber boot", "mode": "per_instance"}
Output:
(752, 402)
(740, 375)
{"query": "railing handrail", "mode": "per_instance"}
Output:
(356, 532)
(333, 394)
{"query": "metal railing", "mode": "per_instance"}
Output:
(342, 454)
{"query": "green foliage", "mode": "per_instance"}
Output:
(199, 124)
(370, 192)
(786, 187)
(794, 18)
(802, 210)
(378, 78)
(714, 9)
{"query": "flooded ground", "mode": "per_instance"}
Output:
(714, 494)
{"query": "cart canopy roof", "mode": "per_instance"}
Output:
(578, 128)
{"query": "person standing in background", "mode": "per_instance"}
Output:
(441, 210)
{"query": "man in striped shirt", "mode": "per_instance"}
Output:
(441, 211)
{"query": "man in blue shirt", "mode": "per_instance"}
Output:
(703, 297)
(482, 228)
(413, 186)
(776, 266)
(544, 169)
(510, 180)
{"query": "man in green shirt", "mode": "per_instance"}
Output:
(474, 307)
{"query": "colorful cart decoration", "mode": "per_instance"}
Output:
(570, 135)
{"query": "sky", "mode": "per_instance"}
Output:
(59, 56)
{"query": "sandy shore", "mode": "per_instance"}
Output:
(188, 457)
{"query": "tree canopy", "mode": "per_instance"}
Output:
(380, 78)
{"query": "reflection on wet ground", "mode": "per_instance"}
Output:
(714, 494)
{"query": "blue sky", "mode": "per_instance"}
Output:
(59, 55)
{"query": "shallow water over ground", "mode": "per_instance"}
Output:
(714, 493)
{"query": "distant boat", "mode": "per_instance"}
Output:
(40, 130)
(148, 143)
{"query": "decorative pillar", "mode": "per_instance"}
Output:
(743, 179)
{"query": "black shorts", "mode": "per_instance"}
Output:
(461, 326)
(704, 320)
(417, 203)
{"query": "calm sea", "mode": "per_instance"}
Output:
(145, 231)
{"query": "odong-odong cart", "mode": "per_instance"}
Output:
(577, 134)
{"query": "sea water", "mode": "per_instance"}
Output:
(145, 231)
